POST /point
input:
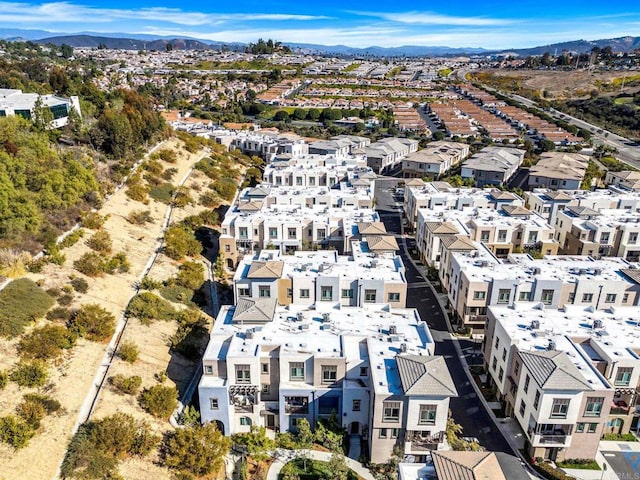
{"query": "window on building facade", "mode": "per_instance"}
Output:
(355, 405)
(593, 407)
(427, 414)
(244, 292)
(364, 371)
(610, 298)
(264, 291)
(587, 297)
(370, 296)
(245, 421)
(580, 427)
(395, 432)
(526, 384)
(242, 232)
(266, 389)
(592, 428)
(516, 368)
(213, 404)
(479, 295)
(304, 293)
(536, 400)
(484, 235)
(391, 411)
(383, 433)
(547, 297)
(273, 232)
(501, 374)
(292, 233)
(623, 376)
(560, 407)
(329, 374)
(296, 371)
(523, 407)
(243, 374)
(393, 297)
(524, 296)
(264, 368)
(494, 363)
(322, 234)
(347, 293)
(326, 294)
(504, 354)
(503, 295)
(208, 370)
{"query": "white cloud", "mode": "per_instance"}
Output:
(65, 12)
(429, 18)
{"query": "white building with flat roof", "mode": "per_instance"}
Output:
(566, 375)
(14, 102)
(372, 367)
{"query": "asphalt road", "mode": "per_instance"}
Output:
(467, 409)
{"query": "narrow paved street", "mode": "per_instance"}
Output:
(467, 408)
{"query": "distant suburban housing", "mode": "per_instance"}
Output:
(559, 170)
(492, 165)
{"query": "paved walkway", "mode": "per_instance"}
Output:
(355, 447)
(283, 456)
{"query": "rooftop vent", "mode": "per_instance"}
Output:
(597, 323)
(535, 324)
(393, 330)
(326, 317)
(552, 345)
(299, 316)
(403, 348)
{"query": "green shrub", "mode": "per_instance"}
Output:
(72, 238)
(46, 342)
(91, 264)
(169, 156)
(95, 449)
(550, 472)
(192, 222)
(54, 292)
(169, 173)
(140, 217)
(159, 400)
(16, 312)
(210, 217)
(93, 323)
(162, 192)
(198, 450)
(226, 188)
(179, 242)
(128, 351)
(65, 300)
(579, 463)
(177, 294)
(100, 242)
(4, 379)
(30, 374)
(59, 313)
(35, 407)
(93, 220)
(36, 266)
(128, 385)
(209, 199)
(118, 263)
(627, 437)
(190, 275)
(147, 306)
(153, 167)
(190, 416)
(80, 285)
(148, 283)
(182, 198)
(15, 431)
(137, 192)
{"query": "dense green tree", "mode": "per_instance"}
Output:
(198, 450)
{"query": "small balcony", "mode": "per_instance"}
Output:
(550, 435)
(619, 407)
(417, 441)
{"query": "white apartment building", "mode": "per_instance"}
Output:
(477, 280)
(548, 203)
(566, 376)
(314, 170)
(606, 232)
(441, 195)
(308, 277)
(267, 144)
(434, 160)
(372, 367)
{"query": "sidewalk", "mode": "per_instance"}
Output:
(283, 456)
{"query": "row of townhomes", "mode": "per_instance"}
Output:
(550, 283)
(319, 325)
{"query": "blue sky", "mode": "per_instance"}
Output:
(358, 23)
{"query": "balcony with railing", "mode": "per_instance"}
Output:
(619, 407)
(243, 398)
(420, 441)
(550, 435)
(298, 405)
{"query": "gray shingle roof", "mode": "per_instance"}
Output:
(259, 310)
(554, 370)
(425, 376)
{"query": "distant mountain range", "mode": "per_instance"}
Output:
(155, 42)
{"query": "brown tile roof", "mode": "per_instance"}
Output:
(269, 269)
(381, 242)
(452, 465)
(375, 228)
(458, 242)
(442, 228)
(422, 375)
